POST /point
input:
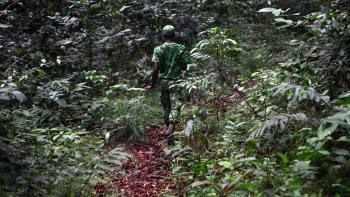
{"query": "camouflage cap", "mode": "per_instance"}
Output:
(168, 30)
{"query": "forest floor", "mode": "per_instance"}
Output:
(148, 173)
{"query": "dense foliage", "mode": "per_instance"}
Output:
(267, 95)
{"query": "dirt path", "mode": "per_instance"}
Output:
(148, 173)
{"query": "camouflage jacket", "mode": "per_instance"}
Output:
(170, 56)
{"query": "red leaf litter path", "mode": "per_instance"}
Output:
(148, 172)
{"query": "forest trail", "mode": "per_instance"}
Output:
(148, 173)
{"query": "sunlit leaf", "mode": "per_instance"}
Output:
(226, 164)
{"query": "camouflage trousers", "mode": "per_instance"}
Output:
(171, 100)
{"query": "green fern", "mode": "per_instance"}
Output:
(279, 122)
(297, 94)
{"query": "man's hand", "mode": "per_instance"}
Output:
(149, 87)
(155, 72)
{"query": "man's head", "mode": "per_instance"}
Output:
(168, 32)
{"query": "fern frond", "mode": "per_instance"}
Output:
(114, 159)
(279, 122)
(143, 63)
(300, 93)
(201, 56)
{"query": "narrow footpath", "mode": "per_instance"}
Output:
(148, 173)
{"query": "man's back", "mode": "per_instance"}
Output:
(169, 59)
(170, 56)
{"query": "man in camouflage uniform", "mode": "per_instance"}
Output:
(169, 59)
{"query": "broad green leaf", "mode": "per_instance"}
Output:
(324, 152)
(64, 42)
(226, 165)
(283, 157)
(345, 95)
(124, 8)
(137, 89)
(200, 183)
(248, 186)
(263, 10)
(343, 139)
(342, 152)
(56, 137)
(325, 131)
(5, 26)
(282, 20)
(274, 11)
(200, 168)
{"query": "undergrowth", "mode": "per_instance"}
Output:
(267, 95)
(278, 131)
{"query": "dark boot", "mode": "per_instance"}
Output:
(170, 136)
(170, 140)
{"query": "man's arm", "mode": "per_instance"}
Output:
(185, 59)
(155, 68)
(155, 73)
